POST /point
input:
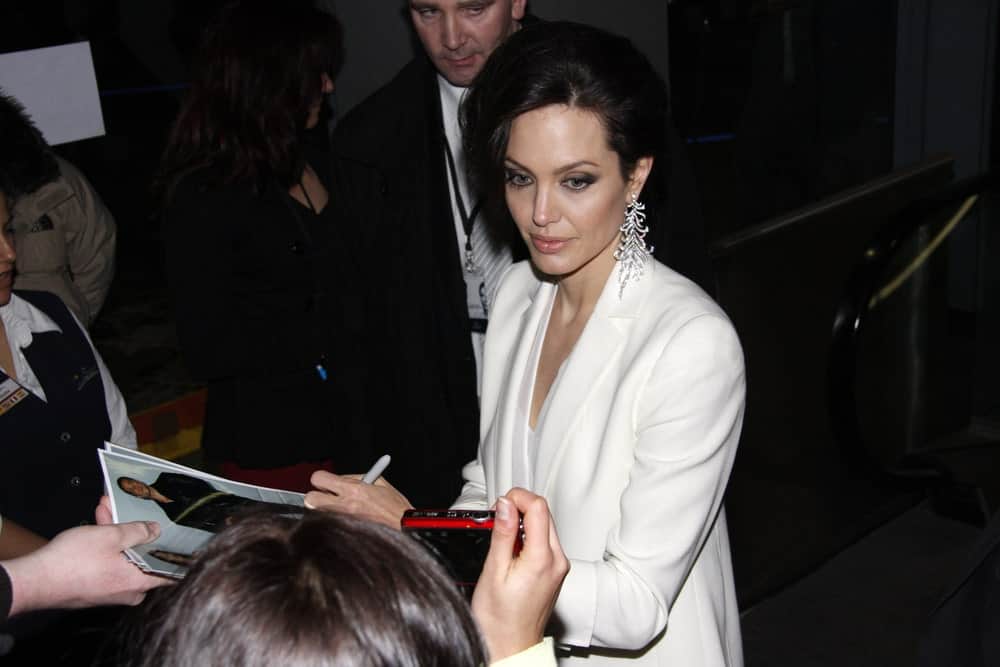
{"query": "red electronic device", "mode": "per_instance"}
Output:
(459, 539)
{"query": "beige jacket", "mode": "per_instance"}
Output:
(540, 655)
(65, 242)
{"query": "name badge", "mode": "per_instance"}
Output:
(11, 393)
(475, 295)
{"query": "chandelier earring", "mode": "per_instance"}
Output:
(632, 250)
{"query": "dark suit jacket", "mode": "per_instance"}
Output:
(429, 420)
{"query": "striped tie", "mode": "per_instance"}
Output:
(491, 257)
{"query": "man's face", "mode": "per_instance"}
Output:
(459, 35)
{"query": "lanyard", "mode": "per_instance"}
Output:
(468, 218)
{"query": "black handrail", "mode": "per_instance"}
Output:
(865, 280)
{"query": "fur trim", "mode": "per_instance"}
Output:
(26, 161)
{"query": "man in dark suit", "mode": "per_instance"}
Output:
(421, 303)
(437, 262)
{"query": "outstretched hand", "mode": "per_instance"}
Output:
(515, 594)
(84, 567)
(379, 502)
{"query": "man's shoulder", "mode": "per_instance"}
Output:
(401, 100)
(356, 180)
(411, 80)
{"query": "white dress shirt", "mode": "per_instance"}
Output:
(498, 257)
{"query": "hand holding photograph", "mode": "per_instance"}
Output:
(190, 505)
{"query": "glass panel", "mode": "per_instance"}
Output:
(781, 103)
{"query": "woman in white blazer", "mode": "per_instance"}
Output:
(612, 385)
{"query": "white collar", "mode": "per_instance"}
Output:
(451, 98)
(21, 320)
(450, 93)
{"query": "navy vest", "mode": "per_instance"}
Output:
(50, 477)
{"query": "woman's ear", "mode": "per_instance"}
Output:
(639, 175)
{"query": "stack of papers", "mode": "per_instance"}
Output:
(191, 506)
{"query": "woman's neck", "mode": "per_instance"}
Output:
(579, 291)
(310, 191)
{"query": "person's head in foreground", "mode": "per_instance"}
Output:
(326, 589)
(564, 122)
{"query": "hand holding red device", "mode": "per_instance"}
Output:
(460, 539)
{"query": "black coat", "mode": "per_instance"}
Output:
(428, 410)
(263, 293)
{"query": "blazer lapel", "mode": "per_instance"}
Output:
(590, 365)
(504, 428)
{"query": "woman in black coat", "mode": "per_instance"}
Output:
(256, 226)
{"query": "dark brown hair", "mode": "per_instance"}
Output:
(560, 62)
(256, 74)
(323, 589)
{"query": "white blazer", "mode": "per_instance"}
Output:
(633, 457)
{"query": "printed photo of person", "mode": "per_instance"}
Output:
(192, 502)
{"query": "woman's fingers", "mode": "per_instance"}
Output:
(379, 502)
(325, 481)
(515, 593)
(506, 527)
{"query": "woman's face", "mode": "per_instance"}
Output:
(565, 190)
(326, 87)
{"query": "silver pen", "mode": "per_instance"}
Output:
(376, 470)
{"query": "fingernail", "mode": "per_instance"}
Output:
(503, 509)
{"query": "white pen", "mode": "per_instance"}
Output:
(377, 469)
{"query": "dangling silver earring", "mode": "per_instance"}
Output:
(632, 250)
